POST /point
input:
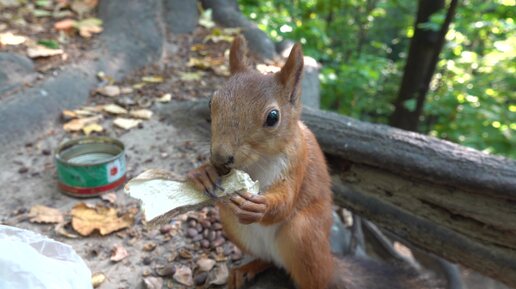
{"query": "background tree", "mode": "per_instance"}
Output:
(363, 46)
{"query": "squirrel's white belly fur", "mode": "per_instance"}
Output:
(256, 238)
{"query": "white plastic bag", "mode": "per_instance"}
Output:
(32, 261)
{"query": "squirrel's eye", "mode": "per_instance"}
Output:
(272, 118)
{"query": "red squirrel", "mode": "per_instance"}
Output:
(256, 127)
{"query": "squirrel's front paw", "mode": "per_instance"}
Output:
(205, 178)
(247, 207)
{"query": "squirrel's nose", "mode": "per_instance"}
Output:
(220, 159)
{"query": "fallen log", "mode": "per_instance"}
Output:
(453, 201)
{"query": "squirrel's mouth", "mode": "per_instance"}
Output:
(222, 170)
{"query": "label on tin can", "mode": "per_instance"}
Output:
(91, 176)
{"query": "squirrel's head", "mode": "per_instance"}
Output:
(255, 115)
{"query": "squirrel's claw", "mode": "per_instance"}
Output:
(247, 207)
(205, 178)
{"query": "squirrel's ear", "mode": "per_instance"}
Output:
(237, 58)
(290, 74)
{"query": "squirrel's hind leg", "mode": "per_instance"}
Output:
(306, 252)
(240, 275)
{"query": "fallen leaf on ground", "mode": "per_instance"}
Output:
(218, 35)
(109, 197)
(118, 253)
(152, 79)
(86, 219)
(126, 123)
(150, 246)
(164, 98)
(89, 26)
(191, 76)
(79, 123)
(114, 109)
(139, 85)
(205, 62)
(11, 39)
(38, 51)
(153, 282)
(205, 264)
(183, 275)
(97, 279)
(66, 24)
(44, 214)
(49, 43)
(221, 275)
(222, 70)
(83, 6)
(61, 230)
(126, 90)
(68, 114)
(92, 127)
(109, 90)
(141, 113)
(205, 20)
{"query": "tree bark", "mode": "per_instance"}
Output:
(453, 201)
(422, 58)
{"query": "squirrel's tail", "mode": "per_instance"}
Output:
(356, 273)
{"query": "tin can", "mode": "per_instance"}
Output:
(89, 166)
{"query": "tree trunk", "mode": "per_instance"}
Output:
(423, 54)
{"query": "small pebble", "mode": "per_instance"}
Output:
(46, 152)
(200, 278)
(166, 270)
(185, 254)
(218, 242)
(191, 233)
(217, 226)
(197, 238)
(23, 170)
(149, 246)
(146, 260)
(205, 244)
(206, 224)
(165, 229)
(212, 235)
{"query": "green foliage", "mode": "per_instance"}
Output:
(362, 45)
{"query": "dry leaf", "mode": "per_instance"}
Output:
(141, 113)
(205, 264)
(11, 39)
(198, 47)
(42, 51)
(61, 230)
(152, 79)
(165, 98)
(191, 76)
(79, 123)
(88, 27)
(126, 123)
(150, 246)
(221, 275)
(92, 127)
(44, 214)
(109, 197)
(205, 62)
(222, 70)
(114, 109)
(66, 24)
(97, 279)
(109, 90)
(205, 20)
(118, 253)
(68, 114)
(126, 90)
(183, 275)
(83, 6)
(153, 282)
(86, 219)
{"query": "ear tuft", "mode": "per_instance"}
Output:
(290, 74)
(237, 55)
